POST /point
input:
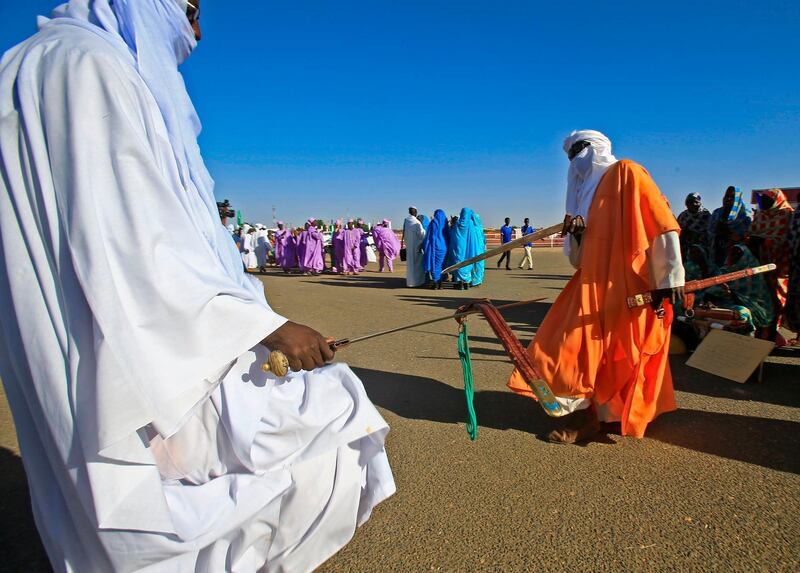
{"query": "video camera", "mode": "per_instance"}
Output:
(225, 210)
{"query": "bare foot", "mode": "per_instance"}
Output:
(579, 427)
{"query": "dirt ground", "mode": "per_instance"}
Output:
(713, 486)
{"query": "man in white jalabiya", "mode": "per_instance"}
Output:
(413, 235)
(263, 246)
(249, 248)
(150, 436)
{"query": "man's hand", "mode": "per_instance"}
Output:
(576, 226)
(305, 348)
(673, 295)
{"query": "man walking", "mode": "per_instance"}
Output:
(528, 256)
(506, 231)
(604, 361)
(413, 236)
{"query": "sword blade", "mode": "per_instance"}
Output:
(342, 342)
(529, 238)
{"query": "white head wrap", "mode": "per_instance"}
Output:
(585, 171)
(158, 36)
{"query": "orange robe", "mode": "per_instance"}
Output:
(590, 345)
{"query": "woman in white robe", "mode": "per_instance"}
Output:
(150, 437)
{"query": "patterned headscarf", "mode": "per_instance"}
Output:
(773, 223)
(792, 311)
(737, 220)
(696, 222)
(739, 206)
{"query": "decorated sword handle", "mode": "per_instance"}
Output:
(278, 364)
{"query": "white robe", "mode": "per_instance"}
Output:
(249, 250)
(263, 247)
(413, 235)
(149, 435)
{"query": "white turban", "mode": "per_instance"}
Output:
(585, 171)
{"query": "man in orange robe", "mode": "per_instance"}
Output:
(604, 361)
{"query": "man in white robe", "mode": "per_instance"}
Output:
(263, 247)
(413, 236)
(150, 436)
(249, 248)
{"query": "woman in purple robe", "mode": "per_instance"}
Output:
(301, 247)
(362, 259)
(337, 241)
(387, 243)
(310, 249)
(279, 237)
(351, 244)
(288, 242)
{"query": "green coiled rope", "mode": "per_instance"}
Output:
(469, 387)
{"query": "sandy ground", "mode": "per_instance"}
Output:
(713, 486)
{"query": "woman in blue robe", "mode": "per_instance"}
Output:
(449, 260)
(479, 248)
(434, 249)
(425, 220)
(463, 245)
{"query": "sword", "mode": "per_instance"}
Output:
(645, 298)
(529, 238)
(278, 364)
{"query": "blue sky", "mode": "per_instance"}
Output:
(362, 108)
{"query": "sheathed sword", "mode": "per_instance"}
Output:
(646, 298)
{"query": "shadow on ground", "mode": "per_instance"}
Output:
(20, 547)
(363, 281)
(765, 442)
(780, 384)
(420, 398)
(542, 277)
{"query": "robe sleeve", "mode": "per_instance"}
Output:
(160, 306)
(666, 266)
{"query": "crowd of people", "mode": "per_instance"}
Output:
(431, 245)
(313, 249)
(440, 242)
(733, 238)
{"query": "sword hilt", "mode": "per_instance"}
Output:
(278, 364)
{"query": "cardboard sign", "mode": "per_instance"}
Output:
(729, 355)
